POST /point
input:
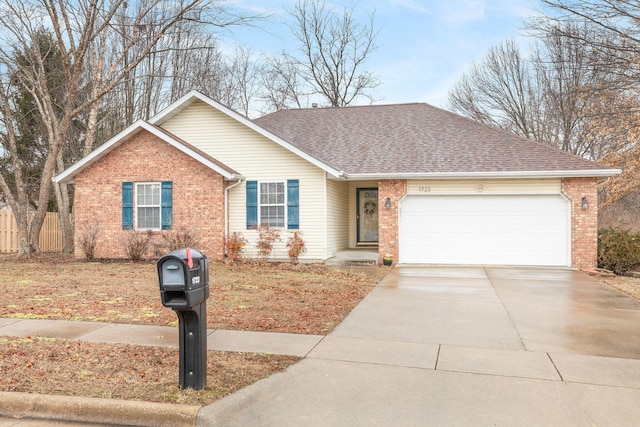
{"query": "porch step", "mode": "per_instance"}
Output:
(351, 262)
(354, 257)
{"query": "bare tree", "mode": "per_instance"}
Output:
(282, 84)
(559, 95)
(500, 91)
(244, 75)
(615, 31)
(83, 30)
(334, 49)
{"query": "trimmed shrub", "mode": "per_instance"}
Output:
(181, 237)
(267, 237)
(88, 238)
(234, 247)
(618, 251)
(136, 244)
(295, 246)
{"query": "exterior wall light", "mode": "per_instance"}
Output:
(387, 203)
(585, 203)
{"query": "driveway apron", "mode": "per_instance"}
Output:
(462, 346)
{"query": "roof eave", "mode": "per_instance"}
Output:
(591, 173)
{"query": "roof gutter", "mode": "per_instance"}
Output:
(595, 173)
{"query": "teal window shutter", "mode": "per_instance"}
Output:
(166, 205)
(252, 204)
(293, 204)
(127, 205)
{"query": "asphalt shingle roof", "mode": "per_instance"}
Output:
(412, 139)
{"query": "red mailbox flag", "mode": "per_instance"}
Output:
(189, 259)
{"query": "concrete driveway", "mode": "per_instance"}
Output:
(532, 309)
(462, 346)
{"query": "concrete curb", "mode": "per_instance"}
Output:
(98, 411)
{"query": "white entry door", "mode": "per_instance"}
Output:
(485, 229)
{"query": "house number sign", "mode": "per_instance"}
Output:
(424, 189)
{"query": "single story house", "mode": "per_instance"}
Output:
(422, 183)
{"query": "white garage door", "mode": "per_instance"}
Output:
(485, 229)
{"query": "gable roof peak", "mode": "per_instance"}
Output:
(68, 175)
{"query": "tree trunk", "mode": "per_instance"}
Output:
(22, 220)
(62, 197)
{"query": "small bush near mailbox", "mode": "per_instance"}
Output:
(181, 237)
(136, 244)
(618, 251)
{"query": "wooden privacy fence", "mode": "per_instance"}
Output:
(50, 234)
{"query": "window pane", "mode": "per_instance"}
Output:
(264, 193)
(280, 193)
(272, 216)
(148, 217)
(272, 200)
(148, 197)
(148, 194)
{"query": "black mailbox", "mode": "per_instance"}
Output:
(184, 287)
(184, 278)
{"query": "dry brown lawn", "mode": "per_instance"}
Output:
(248, 296)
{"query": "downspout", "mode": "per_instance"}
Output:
(226, 209)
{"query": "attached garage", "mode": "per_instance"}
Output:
(485, 229)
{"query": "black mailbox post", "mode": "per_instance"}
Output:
(184, 287)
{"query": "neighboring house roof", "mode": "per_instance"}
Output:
(419, 141)
(68, 175)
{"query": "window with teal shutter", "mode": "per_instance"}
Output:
(127, 205)
(252, 204)
(293, 204)
(166, 205)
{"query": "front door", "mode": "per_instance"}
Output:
(367, 215)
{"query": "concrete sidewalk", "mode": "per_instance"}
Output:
(165, 336)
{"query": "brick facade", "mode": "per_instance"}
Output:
(388, 217)
(584, 222)
(197, 198)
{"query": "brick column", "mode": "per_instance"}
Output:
(584, 222)
(388, 217)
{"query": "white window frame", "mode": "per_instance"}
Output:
(137, 206)
(283, 205)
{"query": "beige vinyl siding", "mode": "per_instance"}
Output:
(337, 216)
(488, 186)
(353, 221)
(257, 159)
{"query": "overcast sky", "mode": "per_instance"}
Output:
(423, 45)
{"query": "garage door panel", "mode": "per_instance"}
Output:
(523, 230)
